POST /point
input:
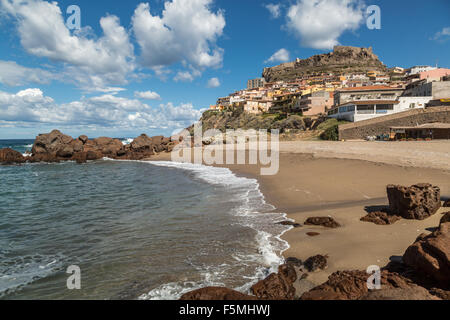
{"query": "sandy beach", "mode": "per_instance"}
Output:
(343, 180)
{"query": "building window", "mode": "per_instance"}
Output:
(385, 107)
(366, 109)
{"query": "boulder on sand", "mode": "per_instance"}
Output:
(352, 285)
(380, 218)
(430, 255)
(327, 222)
(316, 262)
(411, 293)
(418, 201)
(445, 218)
(277, 286)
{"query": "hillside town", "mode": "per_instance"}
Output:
(351, 96)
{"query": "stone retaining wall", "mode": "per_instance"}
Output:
(378, 126)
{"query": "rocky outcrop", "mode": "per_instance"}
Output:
(289, 223)
(430, 255)
(418, 201)
(238, 119)
(107, 146)
(352, 285)
(410, 293)
(9, 156)
(342, 60)
(277, 286)
(294, 262)
(327, 222)
(56, 146)
(216, 293)
(445, 218)
(380, 218)
(51, 143)
(317, 262)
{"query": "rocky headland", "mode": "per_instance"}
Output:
(343, 59)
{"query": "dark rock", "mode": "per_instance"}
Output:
(43, 157)
(77, 145)
(352, 285)
(411, 293)
(430, 255)
(416, 202)
(93, 155)
(216, 293)
(313, 234)
(83, 139)
(50, 143)
(10, 156)
(440, 293)
(446, 204)
(108, 146)
(327, 222)
(65, 151)
(380, 218)
(445, 218)
(289, 223)
(316, 262)
(80, 157)
(294, 262)
(158, 140)
(277, 286)
(142, 143)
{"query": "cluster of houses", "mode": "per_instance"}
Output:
(351, 97)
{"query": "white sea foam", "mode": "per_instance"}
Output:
(127, 141)
(20, 271)
(253, 212)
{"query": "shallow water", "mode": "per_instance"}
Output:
(136, 229)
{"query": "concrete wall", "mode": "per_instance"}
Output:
(377, 126)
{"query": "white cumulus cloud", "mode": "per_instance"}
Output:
(31, 106)
(43, 33)
(213, 83)
(13, 74)
(281, 55)
(320, 23)
(441, 35)
(186, 31)
(274, 9)
(148, 95)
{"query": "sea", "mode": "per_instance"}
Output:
(133, 229)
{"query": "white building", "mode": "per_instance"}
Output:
(363, 110)
(418, 69)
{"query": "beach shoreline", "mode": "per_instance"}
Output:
(345, 185)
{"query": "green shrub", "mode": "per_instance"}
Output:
(331, 133)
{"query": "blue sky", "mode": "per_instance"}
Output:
(151, 66)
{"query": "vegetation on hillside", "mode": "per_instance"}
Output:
(330, 129)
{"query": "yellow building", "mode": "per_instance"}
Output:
(372, 74)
